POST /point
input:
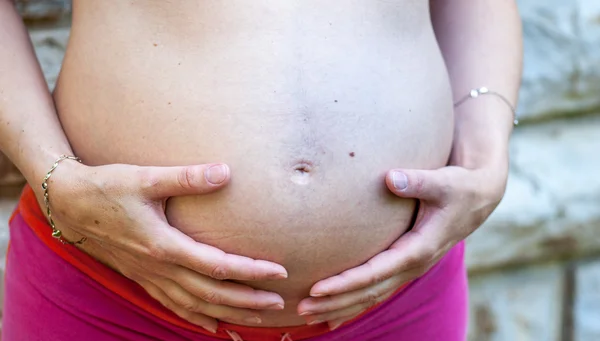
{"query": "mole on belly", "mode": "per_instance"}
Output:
(301, 173)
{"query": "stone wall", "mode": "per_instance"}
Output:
(535, 264)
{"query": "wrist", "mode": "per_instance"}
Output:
(65, 176)
(35, 163)
(59, 190)
(473, 152)
(481, 134)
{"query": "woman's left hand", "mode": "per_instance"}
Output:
(454, 202)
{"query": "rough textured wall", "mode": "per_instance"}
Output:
(9, 175)
(44, 10)
(561, 75)
(535, 264)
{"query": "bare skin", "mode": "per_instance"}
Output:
(308, 105)
(482, 45)
(229, 62)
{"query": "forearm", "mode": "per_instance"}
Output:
(30, 133)
(482, 46)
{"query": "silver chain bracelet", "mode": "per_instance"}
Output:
(485, 91)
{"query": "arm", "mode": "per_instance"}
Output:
(30, 133)
(134, 236)
(481, 44)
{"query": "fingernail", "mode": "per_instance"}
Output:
(306, 313)
(315, 322)
(317, 295)
(214, 331)
(335, 325)
(281, 275)
(399, 180)
(216, 174)
(276, 306)
(253, 320)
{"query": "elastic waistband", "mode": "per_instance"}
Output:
(130, 291)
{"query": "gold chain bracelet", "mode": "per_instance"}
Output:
(474, 93)
(56, 233)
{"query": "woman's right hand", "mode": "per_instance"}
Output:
(121, 211)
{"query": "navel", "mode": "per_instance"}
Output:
(301, 172)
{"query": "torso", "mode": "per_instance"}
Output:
(309, 104)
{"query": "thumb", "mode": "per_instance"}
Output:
(419, 184)
(163, 182)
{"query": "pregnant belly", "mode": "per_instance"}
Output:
(316, 204)
(308, 137)
(317, 216)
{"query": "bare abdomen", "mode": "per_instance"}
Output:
(309, 123)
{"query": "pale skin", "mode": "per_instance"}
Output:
(32, 138)
(455, 200)
(481, 43)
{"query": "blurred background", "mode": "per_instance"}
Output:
(535, 264)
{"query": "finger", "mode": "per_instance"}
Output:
(163, 182)
(192, 304)
(344, 314)
(322, 305)
(178, 248)
(335, 324)
(203, 321)
(420, 184)
(408, 257)
(367, 298)
(226, 293)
